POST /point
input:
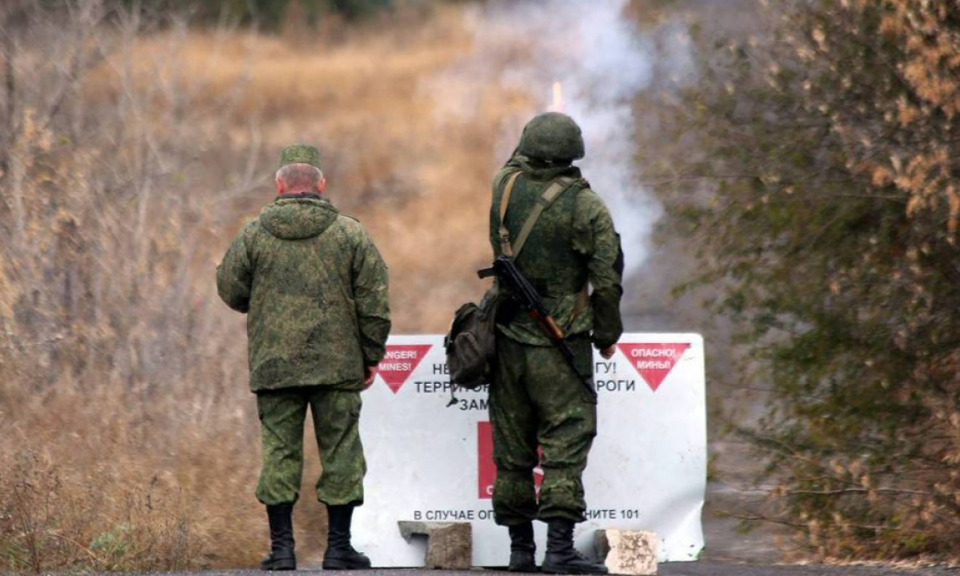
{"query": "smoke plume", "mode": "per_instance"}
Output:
(603, 62)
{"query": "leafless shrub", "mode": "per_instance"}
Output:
(134, 149)
(47, 523)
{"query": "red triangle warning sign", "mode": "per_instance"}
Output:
(653, 362)
(399, 362)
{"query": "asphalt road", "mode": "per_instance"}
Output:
(673, 569)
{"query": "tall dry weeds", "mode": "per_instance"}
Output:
(132, 151)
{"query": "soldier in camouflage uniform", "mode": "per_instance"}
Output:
(314, 289)
(536, 399)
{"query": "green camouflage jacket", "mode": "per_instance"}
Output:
(574, 242)
(314, 289)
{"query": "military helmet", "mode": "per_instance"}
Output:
(552, 136)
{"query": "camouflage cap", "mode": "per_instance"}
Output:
(552, 136)
(300, 154)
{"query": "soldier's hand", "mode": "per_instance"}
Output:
(607, 352)
(369, 373)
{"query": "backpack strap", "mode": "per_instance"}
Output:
(583, 298)
(505, 248)
(545, 200)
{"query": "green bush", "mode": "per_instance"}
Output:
(824, 193)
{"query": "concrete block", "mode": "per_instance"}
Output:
(449, 544)
(628, 551)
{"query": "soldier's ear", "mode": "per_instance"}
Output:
(279, 186)
(322, 185)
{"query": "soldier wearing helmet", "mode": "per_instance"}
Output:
(572, 257)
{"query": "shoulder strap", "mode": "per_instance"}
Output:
(546, 199)
(549, 195)
(583, 298)
(505, 248)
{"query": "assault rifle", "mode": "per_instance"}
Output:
(526, 295)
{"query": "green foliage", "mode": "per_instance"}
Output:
(113, 544)
(824, 197)
(45, 523)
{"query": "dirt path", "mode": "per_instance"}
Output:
(675, 569)
(721, 569)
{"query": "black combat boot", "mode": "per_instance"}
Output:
(281, 556)
(340, 555)
(522, 548)
(562, 557)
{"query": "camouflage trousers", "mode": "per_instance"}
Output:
(536, 400)
(336, 419)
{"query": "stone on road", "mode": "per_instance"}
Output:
(449, 544)
(631, 552)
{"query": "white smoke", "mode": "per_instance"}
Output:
(603, 62)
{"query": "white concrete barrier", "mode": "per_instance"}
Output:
(430, 458)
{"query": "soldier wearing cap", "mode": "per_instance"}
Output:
(314, 288)
(536, 398)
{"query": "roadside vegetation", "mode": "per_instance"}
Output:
(823, 195)
(133, 146)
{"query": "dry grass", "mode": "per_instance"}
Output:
(130, 439)
(371, 102)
